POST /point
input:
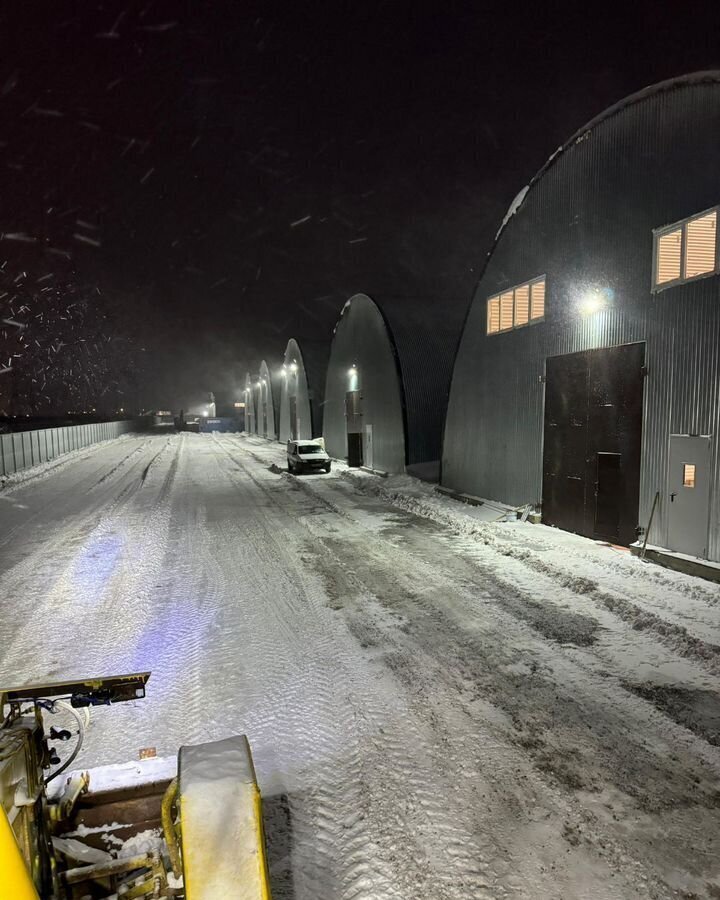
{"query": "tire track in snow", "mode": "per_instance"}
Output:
(329, 835)
(58, 550)
(398, 772)
(627, 706)
(673, 634)
(99, 586)
(30, 484)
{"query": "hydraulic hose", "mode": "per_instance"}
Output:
(169, 827)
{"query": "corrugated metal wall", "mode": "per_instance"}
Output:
(425, 333)
(25, 449)
(587, 223)
(315, 356)
(268, 404)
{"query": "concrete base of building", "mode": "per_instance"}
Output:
(458, 495)
(504, 513)
(374, 471)
(680, 562)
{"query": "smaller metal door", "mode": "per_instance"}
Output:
(353, 420)
(689, 494)
(368, 452)
(609, 496)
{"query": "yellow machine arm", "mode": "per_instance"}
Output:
(15, 880)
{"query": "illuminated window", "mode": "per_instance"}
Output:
(701, 245)
(521, 305)
(669, 252)
(689, 475)
(493, 315)
(537, 306)
(686, 250)
(506, 311)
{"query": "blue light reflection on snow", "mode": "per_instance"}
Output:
(167, 645)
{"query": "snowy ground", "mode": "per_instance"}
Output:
(440, 706)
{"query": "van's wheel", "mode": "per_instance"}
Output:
(327, 470)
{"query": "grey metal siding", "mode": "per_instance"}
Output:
(315, 356)
(425, 334)
(269, 401)
(586, 223)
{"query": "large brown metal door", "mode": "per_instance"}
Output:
(593, 430)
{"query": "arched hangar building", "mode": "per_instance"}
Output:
(262, 399)
(250, 405)
(587, 378)
(302, 387)
(268, 402)
(387, 382)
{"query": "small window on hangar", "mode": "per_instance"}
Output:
(686, 250)
(516, 307)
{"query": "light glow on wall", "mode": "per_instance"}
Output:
(593, 300)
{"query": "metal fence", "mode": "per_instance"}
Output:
(24, 449)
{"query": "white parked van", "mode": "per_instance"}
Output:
(307, 456)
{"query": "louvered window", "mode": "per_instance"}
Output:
(537, 306)
(493, 314)
(518, 306)
(701, 242)
(522, 305)
(506, 311)
(686, 250)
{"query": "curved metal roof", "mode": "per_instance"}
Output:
(710, 76)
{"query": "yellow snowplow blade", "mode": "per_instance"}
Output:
(15, 880)
(223, 844)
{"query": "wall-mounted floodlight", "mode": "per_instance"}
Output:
(594, 300)
(205, 412)
(353, 378)
(293, 366)
(591, 302)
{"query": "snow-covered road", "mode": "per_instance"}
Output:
(439, 707)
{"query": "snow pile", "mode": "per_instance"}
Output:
(514, 207)
(141, 843)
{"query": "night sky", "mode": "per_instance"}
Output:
(185, 186)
